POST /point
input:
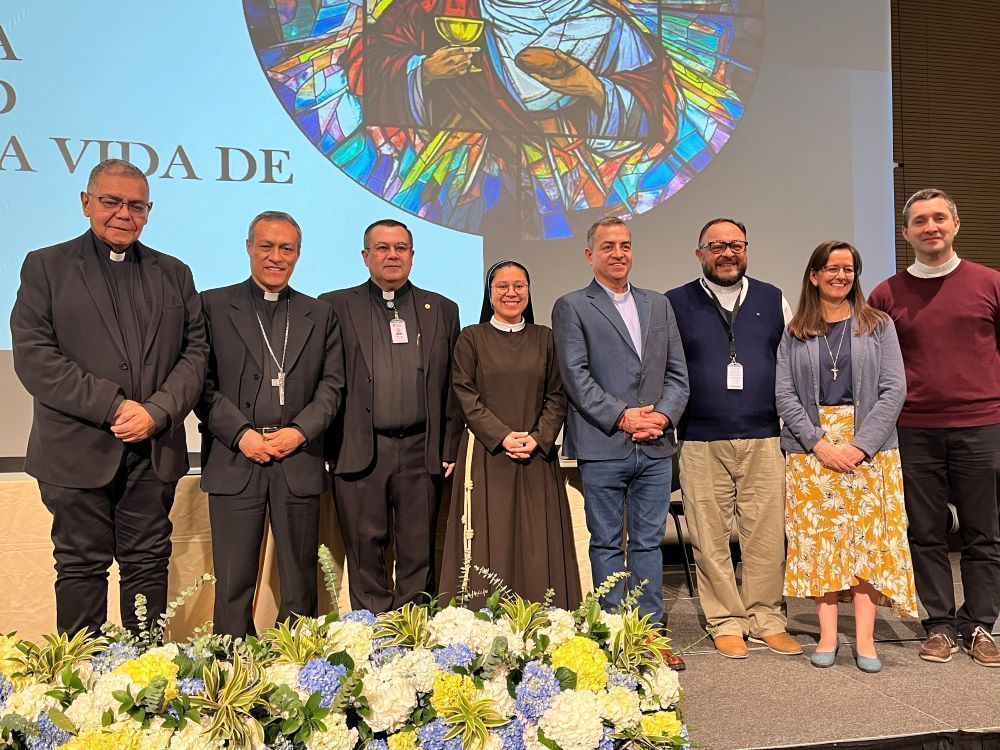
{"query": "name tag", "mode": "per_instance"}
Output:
(734, 376)
(397, 329)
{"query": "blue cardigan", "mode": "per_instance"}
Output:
(879, 386)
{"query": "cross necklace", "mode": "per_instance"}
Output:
(834, 370)
(278, 382)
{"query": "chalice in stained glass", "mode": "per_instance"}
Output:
(460, 32)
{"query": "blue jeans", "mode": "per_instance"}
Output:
(644, 484)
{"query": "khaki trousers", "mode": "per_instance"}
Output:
(742, 482)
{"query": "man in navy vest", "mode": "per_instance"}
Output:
(731, 465)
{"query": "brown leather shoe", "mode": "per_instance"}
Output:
(779, 643)
(672, 660)
(731, 646)
(983, 648)
(938, 647)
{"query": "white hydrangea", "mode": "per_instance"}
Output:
(193, 737)
(560, 629)
(88, 709)
(530, 736)
(573, 721)
(515, 638)
(168, 651)
(353, 637)
(614, 622)
(620, 708)
(419, 667)
(336, 737)
(458, 625)
(286, 674)
(156, 736)
(493, 742)
(391, 697)
(30, 701)
(496, 691)
(661, 689)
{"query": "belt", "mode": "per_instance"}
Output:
(403, 433)
(265, 429)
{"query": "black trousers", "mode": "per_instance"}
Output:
(237, 534)
(960, 465)
(395, 492)
(127, 520)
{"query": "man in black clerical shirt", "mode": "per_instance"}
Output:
(109, 340)
(275, 378)
(397, 434)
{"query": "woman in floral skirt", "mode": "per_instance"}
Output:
(840, 387)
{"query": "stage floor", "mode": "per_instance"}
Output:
(769, 700)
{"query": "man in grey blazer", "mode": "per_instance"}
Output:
(396, 436)
(623, 368)
(275, 378)
(109, 340)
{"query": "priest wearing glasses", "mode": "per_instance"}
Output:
(275, 380)
(109, 340)
(396, 438)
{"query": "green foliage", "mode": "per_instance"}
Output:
(472, 720)
(566, 677)
(639, 645)
(295, 642)
(45, 662)
(495, 659)
(230, 697)
(406, 626)
(329, 568)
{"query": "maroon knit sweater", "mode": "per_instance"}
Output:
(949, 332)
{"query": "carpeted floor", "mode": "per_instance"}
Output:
(770, 700)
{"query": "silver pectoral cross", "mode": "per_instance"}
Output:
(279, 383)
(834, 371)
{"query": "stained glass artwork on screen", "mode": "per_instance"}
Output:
(544, 114)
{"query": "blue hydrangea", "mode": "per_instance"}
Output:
(48, 736)
(454, 655)
(535, 692)
(364, 616)
(377, 745)
(383, 655)
(114, 656)
(191, 686)
(486, 611)
(607, 742)
(686, 737)
(511, 734)
(617, 678)
(320, 676)
(431, 736)
(6, 688)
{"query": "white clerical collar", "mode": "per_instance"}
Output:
(116, 257)
(724, 291)
(923, 271)
(617, 296)
(507, 327)
(271, 296)
(389, 296)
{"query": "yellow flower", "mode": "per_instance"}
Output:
(661, 724)
(586, 659)
(8, 652)
(447, 687)
(148, 667)
(403, 741)
(125, 736)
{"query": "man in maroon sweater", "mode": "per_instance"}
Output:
(947, 315)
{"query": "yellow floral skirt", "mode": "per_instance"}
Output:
(843, 528)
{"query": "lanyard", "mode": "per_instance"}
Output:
(728, 320)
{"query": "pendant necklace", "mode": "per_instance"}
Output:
(834, 370)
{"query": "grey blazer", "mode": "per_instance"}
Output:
(878, 380)
(603, 375)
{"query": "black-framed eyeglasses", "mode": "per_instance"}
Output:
(719, 246)
(111, 202)
(383, 247)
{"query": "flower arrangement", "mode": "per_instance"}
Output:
(514, 675)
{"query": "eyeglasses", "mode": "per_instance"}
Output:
(383, 247)
(518, 286)
(835, 270)
(718, 246)
(136, 208)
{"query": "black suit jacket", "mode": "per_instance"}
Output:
(352, 441)
(314, 381)
(70, 356)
